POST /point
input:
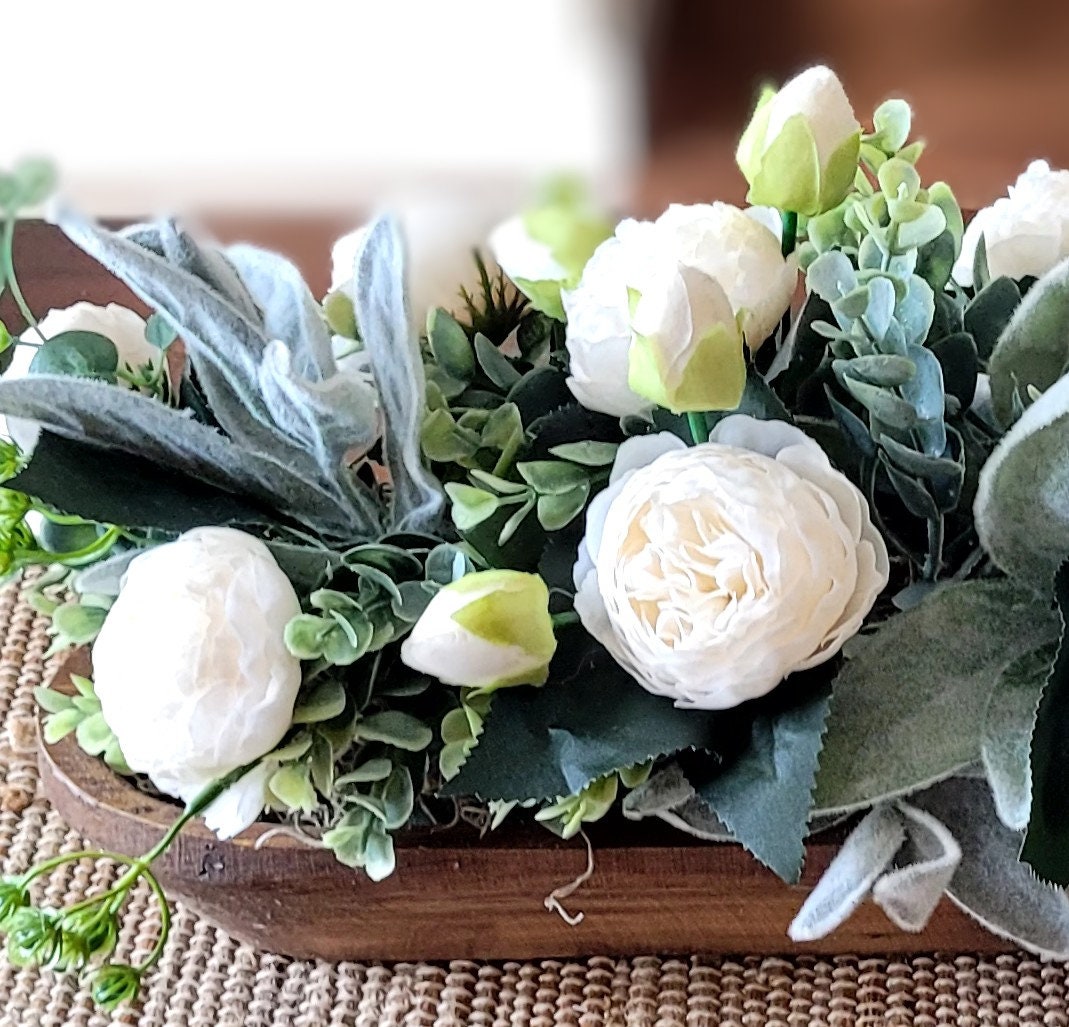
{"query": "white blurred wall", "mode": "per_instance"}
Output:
(300, 105)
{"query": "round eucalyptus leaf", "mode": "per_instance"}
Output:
(77, 355)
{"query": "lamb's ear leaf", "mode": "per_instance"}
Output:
(991, 884)
(112, 487)
(1046, 842)
(167, 239)
(123, 420)
(908, 704)
(288, 311)
(382, 315)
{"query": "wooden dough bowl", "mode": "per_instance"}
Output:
(456, 896)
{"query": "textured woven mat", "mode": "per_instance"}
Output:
(206, 979)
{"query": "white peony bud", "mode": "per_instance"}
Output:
(122, 326)
(1025, 232)
(191, 669)
(686, 283)
(485, 630)
(800, 150)
(712, 572)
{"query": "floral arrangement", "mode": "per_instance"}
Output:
(750, 520)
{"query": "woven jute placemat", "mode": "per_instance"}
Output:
(207, 979)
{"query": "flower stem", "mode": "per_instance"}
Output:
(790, 232)
(8, 263)
(563, 619)
(699, 427)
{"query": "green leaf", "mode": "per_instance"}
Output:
(159, 332)
(471, 506)
(558, 511)
(1033, 350)
(324, 702)
(764, 796)
(34, 181)
(589, 720)
(93, 734)
(50, 700)
(77, 354)
(990, 311)
(395, 727)
(1005, 743)
(58, 725)
(367, 773)
(891, 121)
(495, 364)
(991, 883)
(552, 477)
(398, 798)
(292, 786)
(379, 858)
(450, 346)
(589, 454)
(1022, 502)
(1046, 842)
(908, 705)
(78, 624)
(112, 487)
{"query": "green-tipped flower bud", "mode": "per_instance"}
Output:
(485, 630)
(34, 937)
(800, 150)
(545, 249)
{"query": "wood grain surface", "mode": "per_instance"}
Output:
(457, 896)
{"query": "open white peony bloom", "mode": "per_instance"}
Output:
(1025, 232)
(121, 325)
(712, 572)
(734, 249)
(191, 669)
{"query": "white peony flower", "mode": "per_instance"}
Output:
(191, 669)
(1025, 232)
(485, 630)
(712, 572)
(800, 150)
(699, 267)
(119, 324)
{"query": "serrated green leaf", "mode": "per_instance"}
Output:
(394, 727)
(764, 797)
(908, 705)
(1006, 740)
(589, 720)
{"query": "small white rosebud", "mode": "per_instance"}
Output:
(486, 630)
(799, 153)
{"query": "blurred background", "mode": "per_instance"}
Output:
(286, 123)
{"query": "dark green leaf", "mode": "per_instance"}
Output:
(990, 311)
(1046, 843)
(450, 346)
(958, 358)
(112, 487)
(589, 720)
(496, 366)
(77, 355)
(764, 796)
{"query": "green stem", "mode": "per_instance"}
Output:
(699, 427)
(563, 619)
(933, 564)
(6, 254)
(165, 925)
(790, 232)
